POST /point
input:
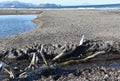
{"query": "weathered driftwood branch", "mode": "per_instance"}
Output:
(82, 60)
(7, 69)
(34, 61)
(82, 40)
(42, 55)
(64, 53)
(68, 51)
(80, 53)
(46, 71)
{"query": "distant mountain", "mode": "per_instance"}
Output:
(16, 4)
(47, 5)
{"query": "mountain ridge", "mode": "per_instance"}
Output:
(18, 4)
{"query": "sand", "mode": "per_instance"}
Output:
(67, 26)
(63, 26)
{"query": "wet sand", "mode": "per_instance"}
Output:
(18, 11)
(67, 26)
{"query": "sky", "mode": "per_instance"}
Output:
(69, 2)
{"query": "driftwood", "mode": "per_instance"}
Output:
(83, 52)
(68, 51)
(42, 55)
(82, 60)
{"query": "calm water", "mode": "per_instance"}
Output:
(15, 24)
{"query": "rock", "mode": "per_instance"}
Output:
(106, 77)
(103, 69)
(71, 75)
(78, 73)
(15, 68)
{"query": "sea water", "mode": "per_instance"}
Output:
(15, 24)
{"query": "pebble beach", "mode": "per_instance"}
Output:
(67, 26)
(64, 26)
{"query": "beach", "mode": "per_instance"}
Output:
(68, 26)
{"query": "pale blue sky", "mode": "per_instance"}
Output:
(69, 2)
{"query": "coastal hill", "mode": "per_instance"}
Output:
(17, 4)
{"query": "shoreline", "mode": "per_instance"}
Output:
(16, 12)
(12, 37)
(66, 26)
(56, 30)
